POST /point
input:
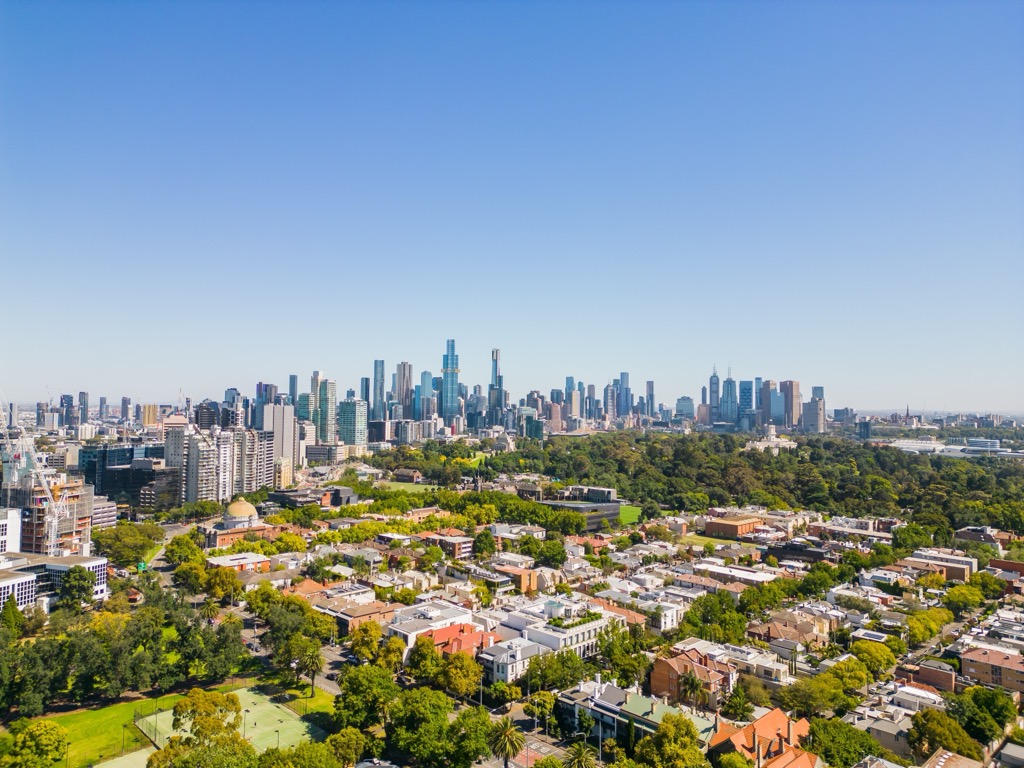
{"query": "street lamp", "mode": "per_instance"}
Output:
(245, 723)
(278, 732)
(124, 732)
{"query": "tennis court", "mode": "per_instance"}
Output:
(265, 723)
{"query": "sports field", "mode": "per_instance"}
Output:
(265, 723)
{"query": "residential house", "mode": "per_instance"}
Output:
(717, 678)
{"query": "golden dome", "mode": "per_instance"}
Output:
(240, 508)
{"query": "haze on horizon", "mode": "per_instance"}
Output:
(202, 195)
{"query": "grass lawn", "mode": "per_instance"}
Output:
(411, 487)
(629, 514)
(95, 734)
(692, 538)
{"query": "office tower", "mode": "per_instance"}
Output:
(379, 406)
(765, 411)
(103, 408)
(625, 404)
(757, 393)
(609, 401)
(813, 416)
(495, 366)
(403, 388)
(293, 389)
(41, 414)
(728, 407)
(314, 398)
(426, 396)
(266, 394)
(364, 389)
(12, 415)
(302, 407)
(818, 392)
(591, 401)
(684, 407)
(791, 394)
(714, 395)
(67, 410)
(327, 401)
(778, 407)
(281, 422)
(704, 395)
(207, 414)
(352, 421)
(450, 382)
(746, 397)
(83, 407)
(573, 407)
(570, 385)
(557, 396)
(232, 395)
(126, 405)
(350, 394)
(651, 408)
(150, 415)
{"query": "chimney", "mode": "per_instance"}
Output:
(789, 732)
(597, 678)
(757, 762)
(782, 744)
(718, 721)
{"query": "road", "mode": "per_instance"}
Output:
(162, 568)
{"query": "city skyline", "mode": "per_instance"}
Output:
(804, 191)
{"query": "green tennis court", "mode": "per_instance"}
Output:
(265, 723)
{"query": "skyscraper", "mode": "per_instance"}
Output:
(609, 401)
(651, 407)
(757, 393)
(352, 421)
(426, 408)
(728, 409)
(293, 389)
(327, 427)
(818, 392)
(746, 396)
(791, 394)
(495, 366)
(126, 409)
(570, 385)
(83, 407)
(380, 406)
(281, 421)
(625, 404)
(364, 389)
(714, 394)
(403, 388)
(103, 408)
(314, 397)
(67, 410)
(765, 411)
(450, 382)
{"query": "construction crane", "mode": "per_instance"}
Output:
(19, 461)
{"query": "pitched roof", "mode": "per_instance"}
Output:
(766, 731)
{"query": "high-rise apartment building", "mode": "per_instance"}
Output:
(293, 389)
(625, 403)
(609, 401)
(813, 422)
(83, 407)
(364, 389)
(427, 403)
(379, 406)
(126, 409)
(103, 408)
(280, 421)
(652, 408)
(314, 398)
(252, 458)
(450, 382)
(327, 426)
(352, 420)
(791, 394)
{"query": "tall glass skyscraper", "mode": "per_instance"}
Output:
(746, 396)
(327, 427)
(450, 381)
(729, 405)
(380, 406)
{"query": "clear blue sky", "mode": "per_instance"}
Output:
(200, 195)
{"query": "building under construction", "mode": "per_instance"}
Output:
(73, 528)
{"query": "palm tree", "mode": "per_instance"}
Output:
(311, 662)
(505, 740)
(689, 687)
(580, 755)
(209, 610)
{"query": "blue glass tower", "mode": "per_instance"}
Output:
(450, 382)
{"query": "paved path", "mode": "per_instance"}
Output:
(136, 759)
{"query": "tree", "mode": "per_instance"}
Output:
(229, 751)
(366, 693)
(10, 617)
(737, 706)
(934, 730)
(841, 745)
(989, 586)
(207, 715)
(365, 639)
(548, 762)
(733, 760)
(875, 656)
(348, 746)
(76, 588)
(932, 581)
(484, 545)
(995, 701)
(43, 740)
(579, 755)
(467, 737)
(460, 674)
(506, 741)
(311, 663)
(540, 705)
(505, 693)
(223, 583)
(673, 744)
(690, 687)
(390, 654)
(812, 696)
(418, 725)
(190, 577)
(182, 549)
(209, 610)
(432, 557)
(961, 599)
(424, 663)
(910, 537)
(852, 674)
(977, 722)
